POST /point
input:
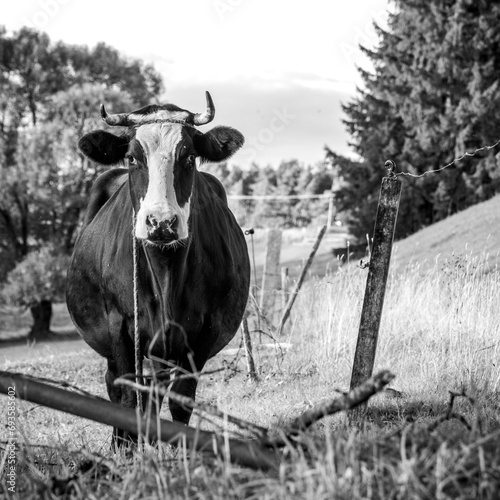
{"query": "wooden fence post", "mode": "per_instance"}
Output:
(252, 372)
(271, 278)
(383, 236)
(284, 287)
(302, 276)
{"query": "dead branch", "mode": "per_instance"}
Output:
(242, 452)
(347, 401)
(251, 454)
(451, 414)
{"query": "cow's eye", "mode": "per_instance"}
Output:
(131, 160)
(191, 159)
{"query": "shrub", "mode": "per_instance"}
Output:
(35, 283)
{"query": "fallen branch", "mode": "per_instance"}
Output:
(241, 452)
(347, 401)
(251, 454)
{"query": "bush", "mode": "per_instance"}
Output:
(35, 283)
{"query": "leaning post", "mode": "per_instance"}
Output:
(383, 236)
(271, 278)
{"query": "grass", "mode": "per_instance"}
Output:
(439, 332)
(471, 231)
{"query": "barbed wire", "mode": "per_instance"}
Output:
(466, 154)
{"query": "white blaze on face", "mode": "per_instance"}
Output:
(159, 142)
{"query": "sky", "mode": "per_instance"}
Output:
(277, 70)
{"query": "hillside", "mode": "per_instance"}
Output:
(474, 231)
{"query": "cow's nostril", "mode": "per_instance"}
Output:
(151, 222)
(171, 223)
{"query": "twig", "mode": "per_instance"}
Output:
(450, 414)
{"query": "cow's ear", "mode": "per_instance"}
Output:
(103, 147)
(218, 144)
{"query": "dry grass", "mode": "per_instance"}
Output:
(440, 332)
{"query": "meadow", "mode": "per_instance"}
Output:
(439, 333)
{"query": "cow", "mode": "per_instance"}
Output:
(192, 266)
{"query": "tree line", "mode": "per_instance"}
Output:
(291, 178)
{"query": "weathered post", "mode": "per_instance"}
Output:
(271, 279)
(383, 236)
(302, 276)
(284, 287)
(252, 372)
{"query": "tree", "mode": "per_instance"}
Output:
(432, 95)
(49, 97)
(45, 193)
(35, 69)
(35, 283)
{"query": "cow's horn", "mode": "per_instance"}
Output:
(114, 120)
(208, 115)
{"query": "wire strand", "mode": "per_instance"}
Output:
(484, 148)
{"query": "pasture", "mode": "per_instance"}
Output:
(439, 333)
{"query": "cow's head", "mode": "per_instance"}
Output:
(160, 149)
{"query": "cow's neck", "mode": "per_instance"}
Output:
(167, 270)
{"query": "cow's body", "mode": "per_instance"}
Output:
(192, 294)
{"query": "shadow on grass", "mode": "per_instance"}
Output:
(408, 411)
(60, 335)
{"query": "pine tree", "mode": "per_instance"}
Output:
(432, 95)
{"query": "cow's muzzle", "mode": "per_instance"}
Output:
(162, 232)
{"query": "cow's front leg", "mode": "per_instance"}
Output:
(185, 385)
(121, 363)
(124, 396)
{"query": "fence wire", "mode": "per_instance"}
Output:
(466, 154)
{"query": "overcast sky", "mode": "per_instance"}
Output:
(278, 70)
